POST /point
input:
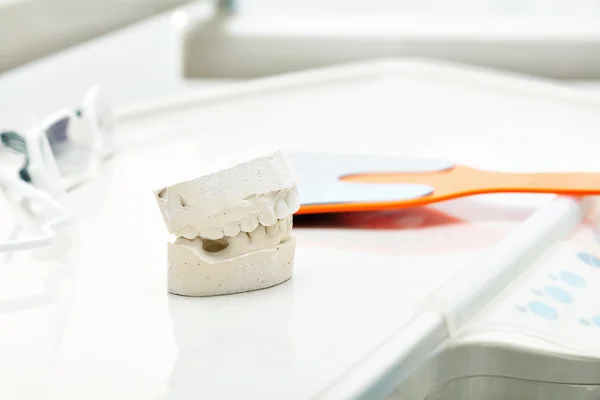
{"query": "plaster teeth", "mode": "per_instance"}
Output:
(212, 233)
(285, 228)
(268, 223)
(187, 232)
(292, 201)
(262, 202)
(240, 240)
(258, 234)
(281, 209)
(272, 230)
(231, 229)
(267, 216)
(230, 221)
(248, 223)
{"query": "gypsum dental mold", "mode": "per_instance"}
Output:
(233, 227)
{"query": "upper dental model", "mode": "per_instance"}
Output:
(233, 227)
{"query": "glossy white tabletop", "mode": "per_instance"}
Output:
(100, 324)
(103, 325)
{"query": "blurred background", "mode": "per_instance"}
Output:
(51, 51)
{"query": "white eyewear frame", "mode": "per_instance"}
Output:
(63, 151)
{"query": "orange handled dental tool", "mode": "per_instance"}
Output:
(346, 183)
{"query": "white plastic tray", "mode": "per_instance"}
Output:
(100, 324)
(524, 319)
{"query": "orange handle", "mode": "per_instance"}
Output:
(462, 181)
(576, 184)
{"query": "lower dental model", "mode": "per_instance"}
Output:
(233, 227)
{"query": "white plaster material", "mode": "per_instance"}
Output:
(235, 189)
(191, 275)
(267, 216)
(230, 229)
(233, 227)
(281, 208)
(249, 223)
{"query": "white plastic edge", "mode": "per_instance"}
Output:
(380, 374)
(457, 301)
(468, 292)
(438, 70)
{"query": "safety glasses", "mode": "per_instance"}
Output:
(64, 150)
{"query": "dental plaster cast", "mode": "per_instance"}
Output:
(233, 227)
